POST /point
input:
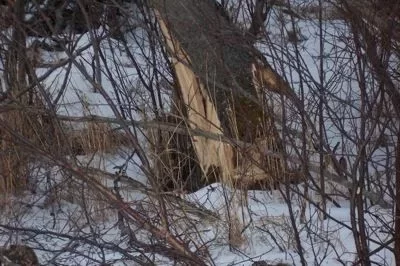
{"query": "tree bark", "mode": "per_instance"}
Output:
(220, 75)
(222, 57)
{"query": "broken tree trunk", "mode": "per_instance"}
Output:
(219, 73)
(200, 112)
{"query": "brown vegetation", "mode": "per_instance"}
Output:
(41, 131)
(18, 255)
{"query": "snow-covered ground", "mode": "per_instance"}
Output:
(63, 234)
(268, 235)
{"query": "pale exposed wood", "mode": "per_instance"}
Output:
(201, 112)
(216, 76)
(265, 78)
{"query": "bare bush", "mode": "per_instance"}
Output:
(118, 118)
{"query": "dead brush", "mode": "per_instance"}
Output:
(312, 11)
(96, 137)
(49, 136)
(279, 229)
(174, 159)
(68, 190)
(18, 255)
(15, 155)
(235, 233)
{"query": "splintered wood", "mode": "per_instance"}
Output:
(200, 110)
(224, 97)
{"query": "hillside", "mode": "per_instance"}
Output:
(290, 156)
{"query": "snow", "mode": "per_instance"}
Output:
(270, 217)
(266, 216)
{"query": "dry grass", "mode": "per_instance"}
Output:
(174, 158)
(312, 11)
(236, 237)
(15, 155)
(50, 137)
(18, 255)
(178, 168)
(96, 138)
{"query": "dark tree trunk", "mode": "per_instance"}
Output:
(222, 56)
